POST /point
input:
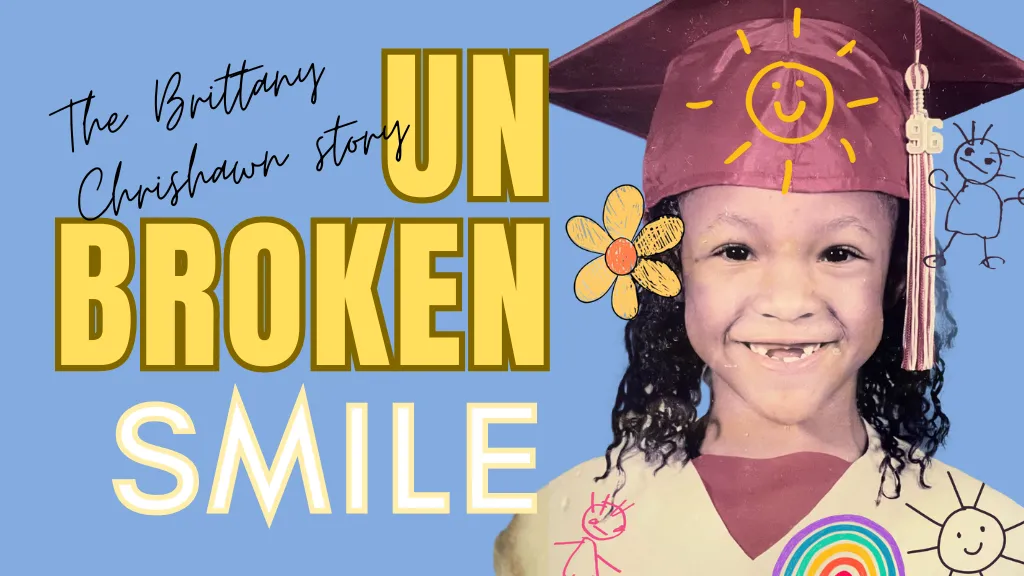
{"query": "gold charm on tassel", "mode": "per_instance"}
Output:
(921, 130)
(922, 135)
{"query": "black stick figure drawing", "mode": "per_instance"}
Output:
(977, 207)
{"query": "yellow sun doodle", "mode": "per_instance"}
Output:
(792, 116)
(624, 253)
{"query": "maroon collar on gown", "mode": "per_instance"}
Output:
(761, 500)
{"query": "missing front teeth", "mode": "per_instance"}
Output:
(782, 353)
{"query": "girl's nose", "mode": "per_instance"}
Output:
(786, 292)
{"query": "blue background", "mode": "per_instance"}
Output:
(59, 452)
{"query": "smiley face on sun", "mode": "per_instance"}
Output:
(787, 77)
(801, 107)
(970, 539)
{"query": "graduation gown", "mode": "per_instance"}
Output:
(665, 524)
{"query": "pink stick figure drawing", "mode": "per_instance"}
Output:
(585, 559)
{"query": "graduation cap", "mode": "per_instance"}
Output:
(812, 96)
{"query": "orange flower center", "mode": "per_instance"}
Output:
(620, 256)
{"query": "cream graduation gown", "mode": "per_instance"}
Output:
(665, 524)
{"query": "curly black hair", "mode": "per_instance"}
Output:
(656, 406)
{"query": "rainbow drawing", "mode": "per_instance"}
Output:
(845, 545)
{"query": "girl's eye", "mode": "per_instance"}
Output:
(734, 252)
(837, 254)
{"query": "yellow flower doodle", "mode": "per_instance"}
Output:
(624, 254)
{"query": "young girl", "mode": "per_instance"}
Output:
(805, 304)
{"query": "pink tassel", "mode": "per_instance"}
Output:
(923, 142)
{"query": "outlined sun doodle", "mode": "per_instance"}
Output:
(971, 540)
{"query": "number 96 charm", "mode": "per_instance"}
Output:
(922, 135)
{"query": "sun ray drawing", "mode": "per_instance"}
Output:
(743, 41)
(739, 152)
(862, 102)
(849, 150)
(970, 539)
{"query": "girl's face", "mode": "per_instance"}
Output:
(784, 293)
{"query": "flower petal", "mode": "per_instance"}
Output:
(622, 212)
(587, 234)
(593, 280)
(657, 277)
(624, 298)
(658, 236)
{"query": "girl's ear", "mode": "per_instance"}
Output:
(896, 280)
(895, 291)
